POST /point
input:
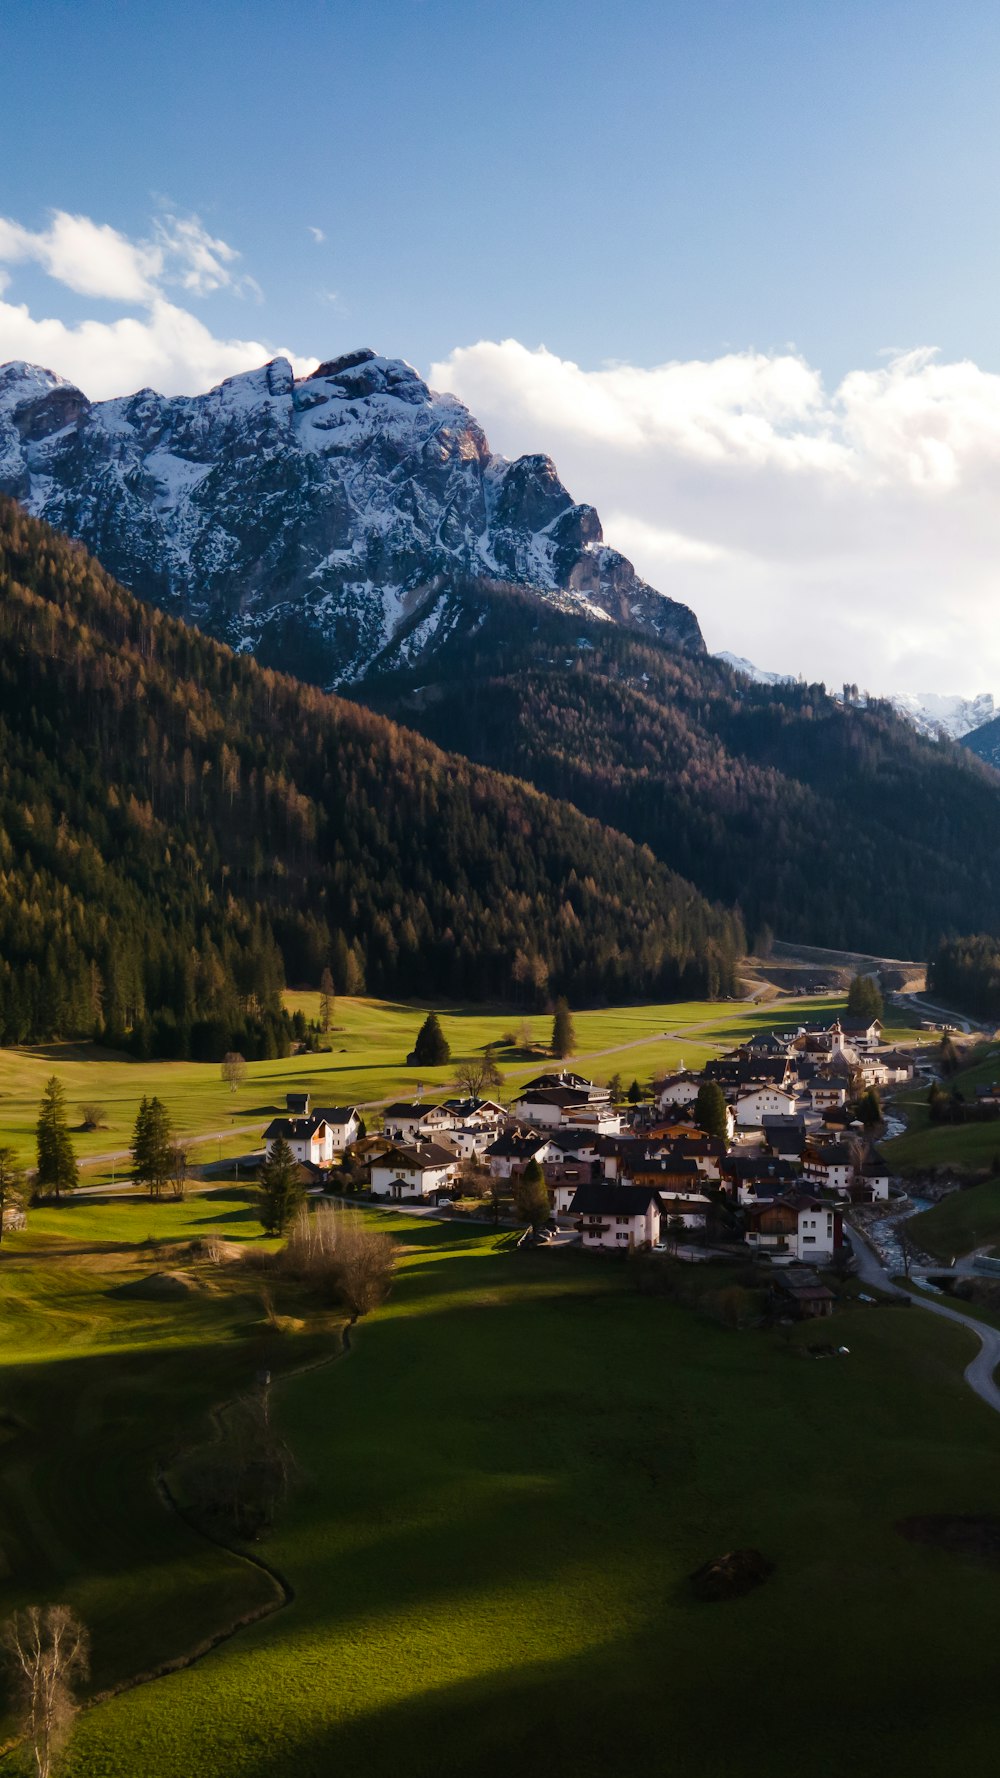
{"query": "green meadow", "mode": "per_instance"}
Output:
(503, 1488)
(958, 1147)
(365, 1064)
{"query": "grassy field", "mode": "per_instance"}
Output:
(961, 1221)
(366, 1064)
(504, 1487)
(960, 1147)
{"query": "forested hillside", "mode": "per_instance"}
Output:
(965, 972)
(181, 830)
(831, 824)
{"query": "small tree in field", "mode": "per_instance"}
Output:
(93, 1117)
(12, 1187)
(531, 1195)
(57, 1170)
(177, 1162)
(364, 1259)
(327, 1000)
(233, 1070)
(45, 1650)
(282, 1193)
(431, 1049)
(477, 1078)
(563, 1034)
(616, 1088)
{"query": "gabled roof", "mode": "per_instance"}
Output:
(419, 1154)
(603, 1199)
(518, 1144)
(338, 1114)
(294, 1129)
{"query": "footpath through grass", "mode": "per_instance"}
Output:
(504, 1488)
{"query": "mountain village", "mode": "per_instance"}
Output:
(763, 1147)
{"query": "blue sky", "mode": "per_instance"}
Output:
(636, 181)
(734, 265)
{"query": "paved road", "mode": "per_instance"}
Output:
(978, 1374)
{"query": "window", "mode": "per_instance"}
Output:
(807, 1238)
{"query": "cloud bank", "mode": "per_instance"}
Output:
(846, 533)
(160, 343)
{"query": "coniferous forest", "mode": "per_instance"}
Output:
(831, 824)
(182, 832)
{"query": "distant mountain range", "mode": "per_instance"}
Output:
(931, 713)
(309, 521)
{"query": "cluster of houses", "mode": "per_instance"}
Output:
(791, 1157)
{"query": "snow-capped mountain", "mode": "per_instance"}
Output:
(759, 675)
(311, 521)
(934, 713)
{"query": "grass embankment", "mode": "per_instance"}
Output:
(366, 1062)
(504, 1488)
(963, 1148)
(961, 1221)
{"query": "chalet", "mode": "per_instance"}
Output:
(475, 1113)
(763, 1101)
(412, 1122)
(666, 1172)
(826, 1092)
(512, 1151)
(419, 1171)
(564, 1179)
(872, 1180)
(545, 1083)
(345, 1124)
(617, 1216)
(797, 1226)
(297, 1104)
(309, 1138)
(771, 1044)
(830, 1165)
(736, 1076)
(568, 1105)
(900, 1066)
(678, 1089)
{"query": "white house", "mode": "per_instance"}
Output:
(617, 1216)
(825, 1095)
(831, 1166)
(309, 1138)
(678, 1089)
(555, 1100)
(761, 1102)
(413, 1172)
(345, 1125)
(795, 1227)
(511, 1152)
(406, 1122)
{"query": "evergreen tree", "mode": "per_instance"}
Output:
(57, 1169)
(710, 1109)
(152, 1145)
(431, 1049)
(327, 1000)
(282, 1193)
(870, 1108)
(531, 1195)
(864, 1001)
(634, 1093)
(563, 1034)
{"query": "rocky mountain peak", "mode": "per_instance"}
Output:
(310, 520)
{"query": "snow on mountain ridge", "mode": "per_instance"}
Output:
(932, 713)
(309, 520)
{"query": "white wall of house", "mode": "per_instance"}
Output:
(815, 1238)
(342, 1135)
(837, 1178)
(539, 1113)
(315, 1150)
(621, 1232)
(678, 1092)
(752, 1108)
(420, 1182)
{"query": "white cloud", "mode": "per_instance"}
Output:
(317, 234)
(163, 345)
(849, 534)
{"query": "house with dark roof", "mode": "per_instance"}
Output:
(345, 1123)
(620, 1217)
(796, 1226)
(417, 1171)
(309, 1138)
(413, 1121)
(512, 1151)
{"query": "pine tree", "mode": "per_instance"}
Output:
(431, 1049)
(327, 1000)
(563, 1034)
(57, 1169)
(152, 1143)
(710, 1109)
(282, 1193)
(863, 998)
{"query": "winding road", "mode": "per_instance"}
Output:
(979, 1374)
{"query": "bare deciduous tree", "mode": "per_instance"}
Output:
(13, 1191)
(233, 1070)
(364, 1261)
(93, 1116)
(177, 1158)
(46, 1651)
(479, 1076)
(241, 1480)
